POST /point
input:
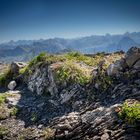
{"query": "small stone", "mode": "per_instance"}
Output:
(66, 97)
(63, 126)
(12, 85)
(96, 85)
(134, 90)
(113, 96)
(40, 126)
(53, 102)
(94, 73)
(40, 105)
(137, 81)
(66, 132)
(105, 136)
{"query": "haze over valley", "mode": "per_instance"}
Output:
(24, 50)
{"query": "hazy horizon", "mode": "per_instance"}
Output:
(76, 37)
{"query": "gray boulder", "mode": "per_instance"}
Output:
(117, 67)
(12, 85)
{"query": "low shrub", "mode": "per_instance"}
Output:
(34, 117)
(71, 72)
(23, 70)
(5, 78)
(2, 98)
(3, 131)
(41, 57)
(78, 57)
(130, 113)
(4, 112)
(49, 134)
(14, 111)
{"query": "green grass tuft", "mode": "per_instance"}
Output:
(5, 78)
(14, 111)
(41, 57)
(130, 113)
(70, 72)
(78, 57)
(3, 131)
(23, 70)
(2, 98)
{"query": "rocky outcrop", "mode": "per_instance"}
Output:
(99, 123)
(72, 111)
(88, 125)
(38, 81)
(132, 56)
(131, 60)
(42, 80)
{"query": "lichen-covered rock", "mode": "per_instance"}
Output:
(12, 85)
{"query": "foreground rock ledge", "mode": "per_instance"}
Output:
(72, 112)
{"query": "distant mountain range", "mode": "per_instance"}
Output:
(24, 50)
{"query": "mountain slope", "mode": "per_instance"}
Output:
(18, 51)
(125, 43)
(91, 44)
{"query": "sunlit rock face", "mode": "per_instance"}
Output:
(130, 61)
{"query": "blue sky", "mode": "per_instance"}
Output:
(35, 19)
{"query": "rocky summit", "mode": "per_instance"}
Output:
(72, 97)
